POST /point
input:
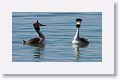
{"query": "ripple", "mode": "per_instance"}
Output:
(59, 34)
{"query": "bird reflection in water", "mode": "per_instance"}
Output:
(38, 51)
(38, 48)
(77, 51)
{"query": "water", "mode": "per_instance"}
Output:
(59, 34)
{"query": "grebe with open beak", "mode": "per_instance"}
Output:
(77, 40)
(38, 40)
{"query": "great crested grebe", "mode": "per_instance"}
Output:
(36, 40)
(82, 42)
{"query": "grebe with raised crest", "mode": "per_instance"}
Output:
(82, 42)
(37, 40)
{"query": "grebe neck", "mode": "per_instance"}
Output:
(40, 34)
(77, 36)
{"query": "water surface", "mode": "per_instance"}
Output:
(59, 33)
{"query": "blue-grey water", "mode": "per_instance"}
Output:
(59, 32)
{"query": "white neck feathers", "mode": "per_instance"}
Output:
(77, 37)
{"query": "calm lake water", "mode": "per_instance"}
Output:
(59, 34)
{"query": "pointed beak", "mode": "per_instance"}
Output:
(40, 23)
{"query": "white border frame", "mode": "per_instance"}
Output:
(104, 67)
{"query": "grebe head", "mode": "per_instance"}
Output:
(36, 26)
(78, 22)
